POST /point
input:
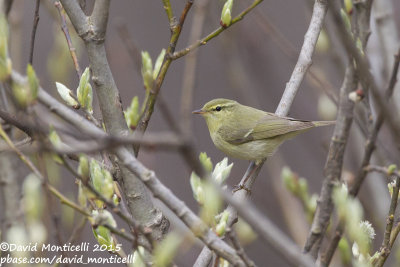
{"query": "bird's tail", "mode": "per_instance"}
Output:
(323, 123)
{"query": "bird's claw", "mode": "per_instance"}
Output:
(241, 187)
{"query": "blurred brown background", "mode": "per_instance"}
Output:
(245, 63)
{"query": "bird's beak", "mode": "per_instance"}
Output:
(199, 111)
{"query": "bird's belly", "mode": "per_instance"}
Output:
(253, 150)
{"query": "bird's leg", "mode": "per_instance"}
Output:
(242, 185)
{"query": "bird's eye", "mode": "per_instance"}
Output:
(218, 108)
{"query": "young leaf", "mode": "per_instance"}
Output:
(33, 82)
(84, 91)
(65, 94)
(158, 64)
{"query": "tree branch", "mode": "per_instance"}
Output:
(214, 34)
(92, 30)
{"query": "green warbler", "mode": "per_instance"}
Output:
(247, 133)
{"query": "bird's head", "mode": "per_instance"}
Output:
(217, 111)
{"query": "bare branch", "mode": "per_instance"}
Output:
(65, 30)
(34, 28)
(214, 34)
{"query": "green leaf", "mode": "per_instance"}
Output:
(65, 94)
(206, 162)
(84, 92)
(33, 82)
(33, 198)
(158, 64)
(132, 114)
(197, 188)
(83, 168)
(222, 171)
(147, 70)
(165, 251)
(226, 15)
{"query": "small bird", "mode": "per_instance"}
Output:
(247, 133)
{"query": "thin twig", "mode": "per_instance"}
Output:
(151, 100)
(147, 177)
(32, 167)
(333, 165)
(214, 34)
(33, 33)
(65, 30)
(240, 251)
(369, 149)
(114, 208)
(170, 14)
(386, 246)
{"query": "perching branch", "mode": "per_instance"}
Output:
(148, 177)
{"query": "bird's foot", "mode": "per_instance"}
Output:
(241, 187)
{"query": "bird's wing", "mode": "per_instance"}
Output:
(268, 126)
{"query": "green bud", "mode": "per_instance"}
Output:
(137, 259)
(327, 109)
(17, 235)
(33, 82)
(303, 187)
(221, 171)
(132, 114)
(165, 251)
(116, 200)
(101, 233)
(348, 5)
(83, 168)
(312, 203)
(108, 184)
(197, 188)
(346, 19)
(212, 203)
(226, 17)
(245, 233)
(223, 263)
(21, 94)
(33, 197)
(391, 185)
(84, 91)
(323, 44)
(96, 176)
(158, 64)
(345, 252)
(82, 199)
(220, 228)
(206, 162)
(147, 70)
(289, 180)
(391, 169)
(55, 139)
(37, 231)
(66, 95)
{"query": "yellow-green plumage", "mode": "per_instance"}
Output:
(247, 133)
